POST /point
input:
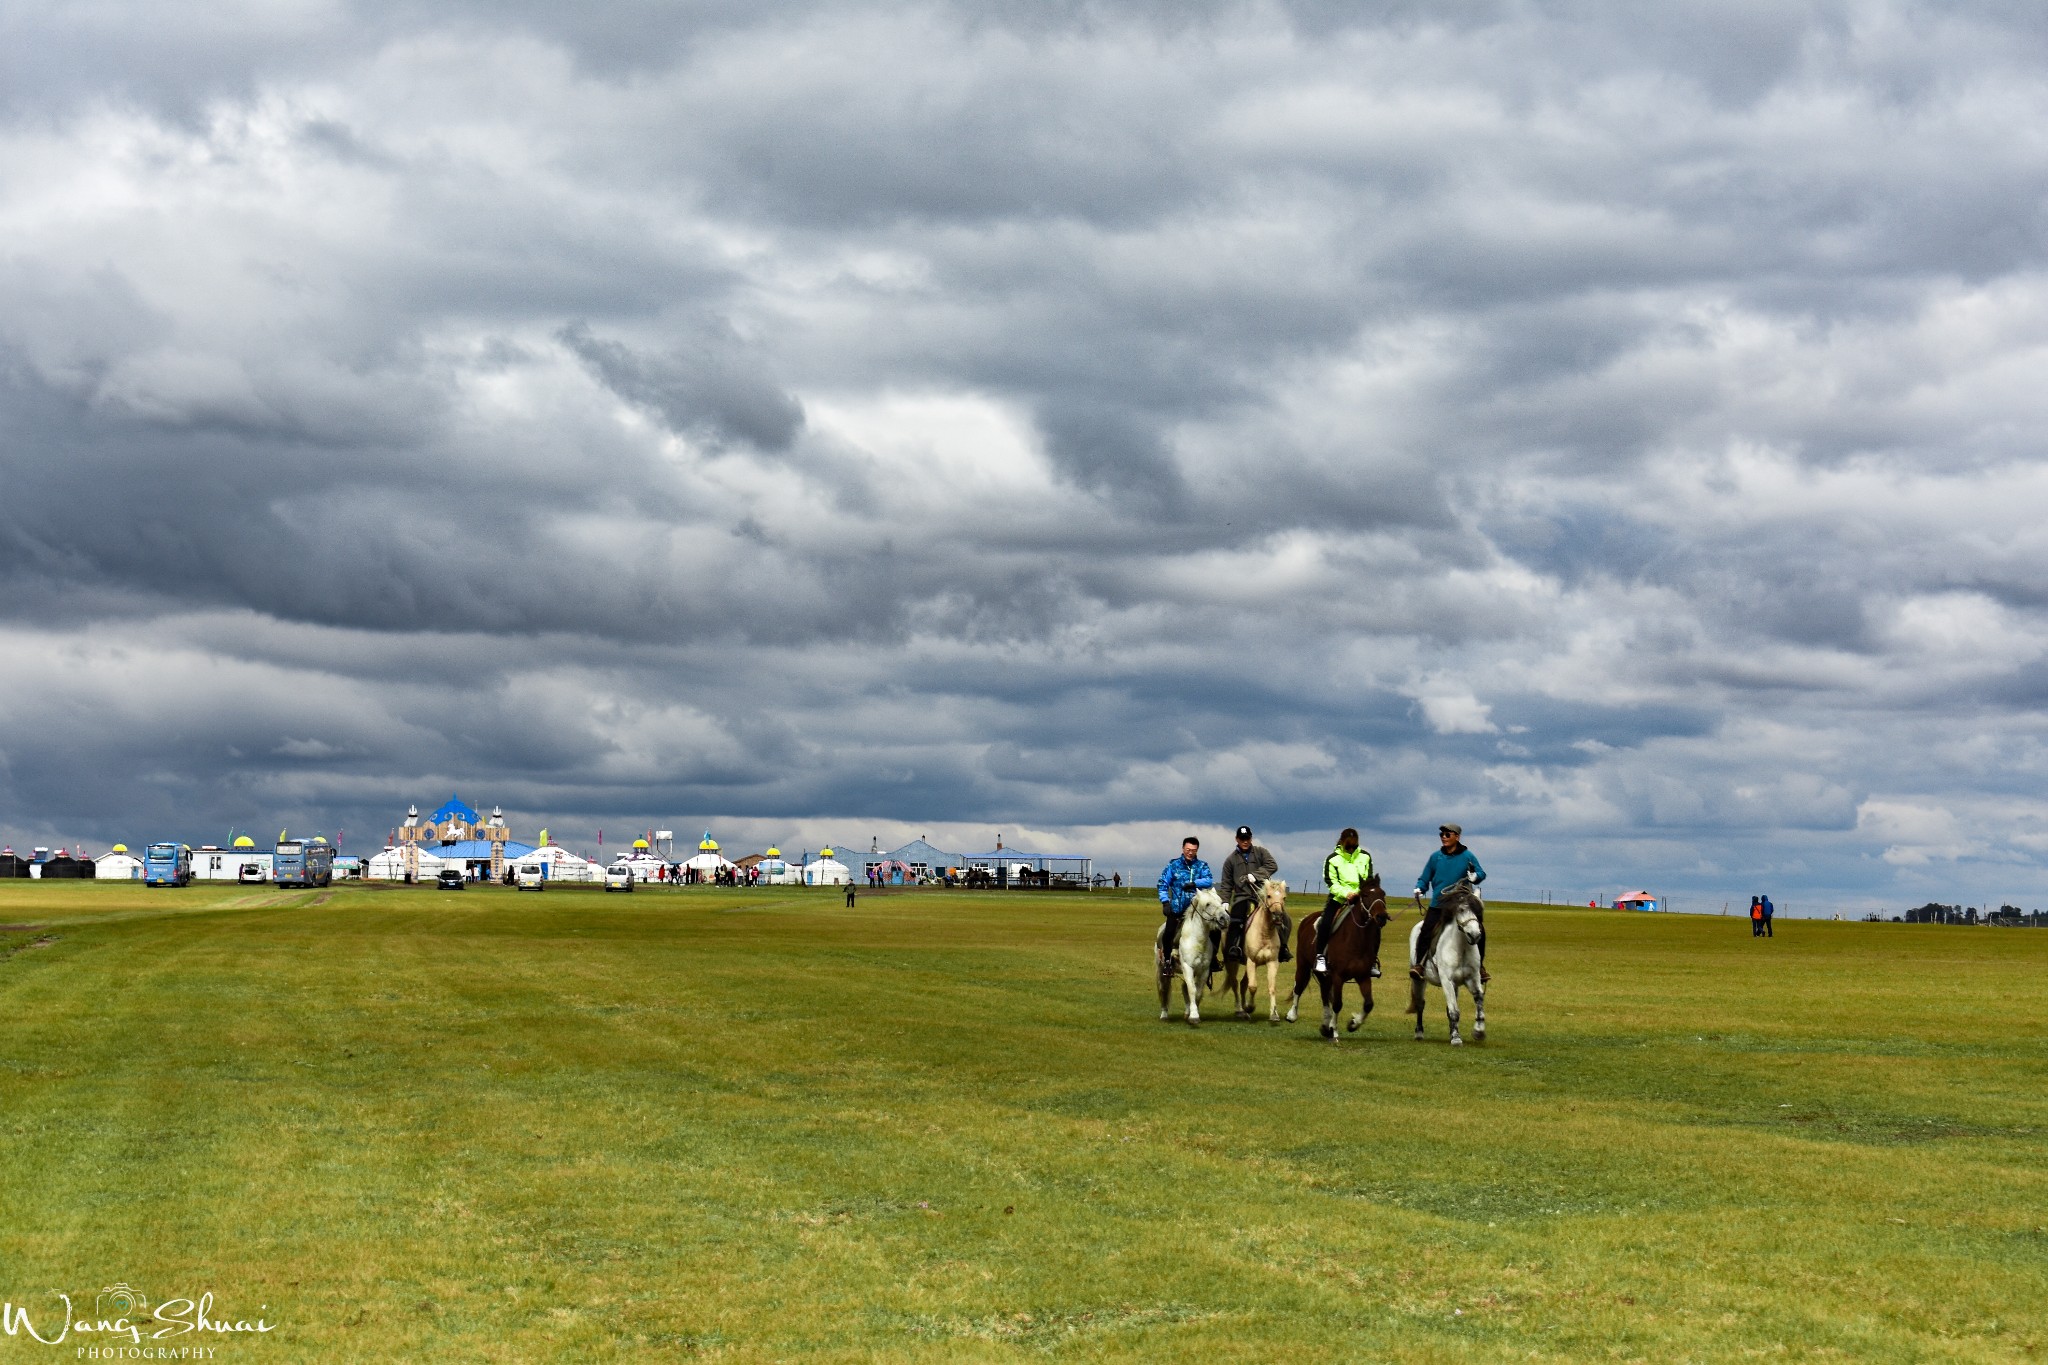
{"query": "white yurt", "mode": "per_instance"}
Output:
(557, 864)
(645, 865)
(389, 865)
(119, 864)
(776, 872)
(709, 862)
(826, 870)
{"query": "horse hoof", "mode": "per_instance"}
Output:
(1328, 1032)
(1456, 1041)
(1351, 1027)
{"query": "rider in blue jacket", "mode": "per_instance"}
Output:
(1447, 867)
(1183, 877)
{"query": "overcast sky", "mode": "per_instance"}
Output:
(1615, 427)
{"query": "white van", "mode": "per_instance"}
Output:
(618, 877)
(529, 879)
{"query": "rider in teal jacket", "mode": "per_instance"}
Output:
(1449, 865)
(1183, 877)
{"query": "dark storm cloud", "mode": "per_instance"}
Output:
(709, 388)
(1614, 426)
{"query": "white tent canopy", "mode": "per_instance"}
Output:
(826, 870)
(645, 867)
(389, 865)
(119, 866)
(556, 864)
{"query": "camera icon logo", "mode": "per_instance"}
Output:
(118, 1301)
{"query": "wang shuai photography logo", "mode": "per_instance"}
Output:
(122, 1324)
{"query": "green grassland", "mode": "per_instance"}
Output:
(753, 1126)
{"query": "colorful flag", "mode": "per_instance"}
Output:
(543, 838)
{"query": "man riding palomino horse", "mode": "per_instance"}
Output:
(1247, 866)
(1183, 877)
(1448, 866)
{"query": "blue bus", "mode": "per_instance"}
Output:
(167, 865)
(303, 862)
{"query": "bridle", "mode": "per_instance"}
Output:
(1375, 909)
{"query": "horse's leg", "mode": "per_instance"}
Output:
(1364, 999)
(1304, 968)
(1451, 1005)
(1333, 1003)
(1478, 1009)
(1165, 975)
(1416, 1003)
(1191, 987)
(1273, 989)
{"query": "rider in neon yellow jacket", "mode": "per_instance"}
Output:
(1345, 872)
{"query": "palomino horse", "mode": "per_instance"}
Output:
(1261, 949)
(1206, 912)
(1354, 948)
(1454, 962)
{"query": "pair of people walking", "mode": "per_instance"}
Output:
(1760, 912)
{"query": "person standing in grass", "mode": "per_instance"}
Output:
(1769, 910)
(1756, 916)
(1449, 865)
(1183, 877)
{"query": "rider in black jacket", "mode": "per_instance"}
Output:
(1247, 865)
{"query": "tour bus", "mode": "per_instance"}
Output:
(303, 862)
(167, 865)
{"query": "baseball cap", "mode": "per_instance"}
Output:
(1451, 829)
(1244, 831)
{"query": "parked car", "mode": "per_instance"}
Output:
(529, 879)
(618, 877)
(451, 879)
(249, 872)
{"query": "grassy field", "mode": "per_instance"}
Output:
(752, 1126)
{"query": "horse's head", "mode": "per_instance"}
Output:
(1464, 905)
(1375, 898)
(1208, 907)
(1273, 897)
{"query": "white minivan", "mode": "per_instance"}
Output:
(618, 877)
(529, 879)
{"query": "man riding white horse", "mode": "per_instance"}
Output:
(1183, 877)
(1449, 865)
(1247, 866)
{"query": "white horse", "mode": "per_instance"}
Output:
(1206, 911)
(1454, 963)
(1261, 949)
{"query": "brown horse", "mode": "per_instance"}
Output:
(1354, 948)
